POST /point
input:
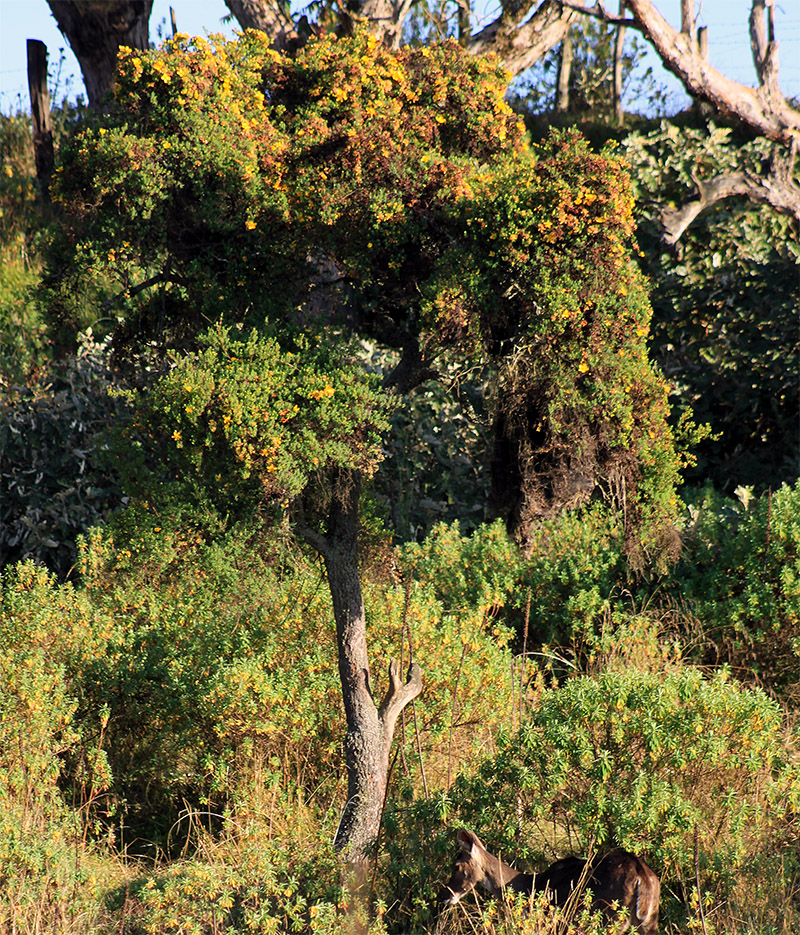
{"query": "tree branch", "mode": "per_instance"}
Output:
(313, 538)
(598, 11)
(764, 109)
(777, 188)
(269, 16)
(398, 695)
(765, 49)
(411, 370)
(140, 287)
(519, 42)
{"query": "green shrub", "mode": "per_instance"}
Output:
(742, 581)
(53, 480)
(53, 770)
(271, 873)
(467, 573)
(224, 667)
(575, 573)
(639, 760)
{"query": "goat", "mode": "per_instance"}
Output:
(616, 880)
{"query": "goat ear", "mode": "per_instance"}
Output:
(466, 840)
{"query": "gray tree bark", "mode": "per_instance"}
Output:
(95, 29)
(269, 16)
(619, 49)
(370, 728)
(564, 72)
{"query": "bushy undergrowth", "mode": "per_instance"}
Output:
(744, 584)
(54, 483)
(49, 872)
(181, 706)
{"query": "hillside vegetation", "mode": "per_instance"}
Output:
(610, 657)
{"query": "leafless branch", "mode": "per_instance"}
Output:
(520, 41)
(763, 109)
(399, 694)
(776, 188)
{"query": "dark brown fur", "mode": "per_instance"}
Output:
(618, 880)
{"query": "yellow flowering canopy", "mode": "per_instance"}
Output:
(391, 195)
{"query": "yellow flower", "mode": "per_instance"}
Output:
(250, 225)
(583, 366)
(176, 436)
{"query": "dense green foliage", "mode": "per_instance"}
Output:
(213, 166)
(262, 240)
(725, 309)
(744, 585)
(243, 425)
(54, 477)
(400, 202)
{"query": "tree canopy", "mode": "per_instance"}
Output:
(388, 195)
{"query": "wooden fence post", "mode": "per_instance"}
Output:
(40, 111)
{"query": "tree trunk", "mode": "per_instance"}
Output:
(564, 71)
(95, 29)
(369, 728)
(619, 49)
(464, 26)
(270, 16)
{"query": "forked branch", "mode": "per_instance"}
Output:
(399, 694)
(776, 188)
(520, 40)
(764, 109)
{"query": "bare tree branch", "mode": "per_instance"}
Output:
(763, 109)
(765, 49)
(775, 188)
(519, 42)
(399, 694)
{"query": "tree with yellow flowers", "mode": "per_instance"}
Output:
(256, 216)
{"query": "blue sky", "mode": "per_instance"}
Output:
(729, 47)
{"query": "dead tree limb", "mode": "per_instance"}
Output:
(776, 188)
(518, 40)
(763, 109)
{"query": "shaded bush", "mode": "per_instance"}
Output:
(53, 480)
(742, 581)
(724, 308)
